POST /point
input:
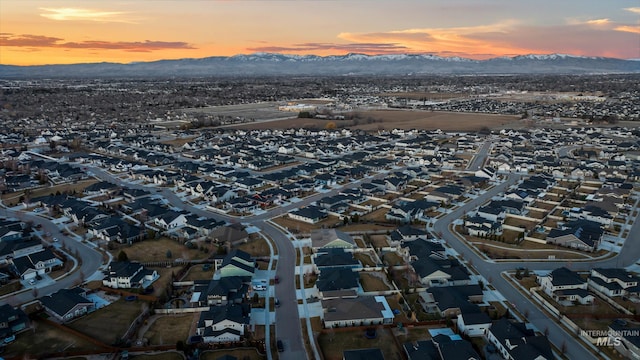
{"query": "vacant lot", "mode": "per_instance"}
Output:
(296, 227)
(46, 339)
(401, 119)
(169, 329)
(13, 198)
(156, 250)
(196, 272)
(111, 322)
(334, 342)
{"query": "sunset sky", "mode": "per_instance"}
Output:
(80, 31)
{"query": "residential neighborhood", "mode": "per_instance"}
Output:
(327, 242)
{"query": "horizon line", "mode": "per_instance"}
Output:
(327, 56)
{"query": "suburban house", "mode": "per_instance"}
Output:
(335, 257)
(12, 321)
(451, 301)
(220, 292)
(359, 311)
(473, 324)
(338, 282)
(128, 275)
(440, 272)
(614, 282)
(170, 220)
(67, 304)
(237, 263)
(229, 234)
(34, 264)
(310, 214)
(444, 345)
(331, 238)
(223, 324)
(514, 341)
(566, 286)
(624, 337)
(579, 234)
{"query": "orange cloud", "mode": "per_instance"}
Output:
(38, 41)
(635, 10)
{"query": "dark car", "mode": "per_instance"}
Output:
(280, 346)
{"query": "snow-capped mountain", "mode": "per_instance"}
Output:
(273, 64)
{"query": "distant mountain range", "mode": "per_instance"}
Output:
(269, 64)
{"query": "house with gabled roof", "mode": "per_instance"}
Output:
(614, 282)
(170, 220)
(564, 285)
(237, 263)
(128, 275)
(579, 234)
(229, 234)
(337, 279)
(12, 321)
(359, 311)
(515, 341)
(220, 292)
(331, 238)
(335, 257)
(67, 304)
(35, 264)
(452, 300)
(440, 272)
(310, 214)
(223, 324)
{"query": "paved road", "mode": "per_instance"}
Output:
(478, 160)
(91, 259)
(491, 271)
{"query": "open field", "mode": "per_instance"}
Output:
(156, 250)
(45, 339)
(169, 329)
(296, 227)
(391, 119)
(109, 323)
(12, 198)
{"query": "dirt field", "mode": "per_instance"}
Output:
(156, 250)
(109, 323)
(401, 119)
(169, 329)
(45, 339)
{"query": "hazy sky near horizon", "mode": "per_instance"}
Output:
(79, 31)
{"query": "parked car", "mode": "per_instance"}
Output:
(280, 346)
(277, 302)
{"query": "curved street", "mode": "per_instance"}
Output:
(288, 327)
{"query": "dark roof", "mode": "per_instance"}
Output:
(64, 300)
(335, 257)
(421, 350)
(331, 279)
(459, 350)
(563, 276)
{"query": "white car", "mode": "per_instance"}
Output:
(55, 239)
(32, 281)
